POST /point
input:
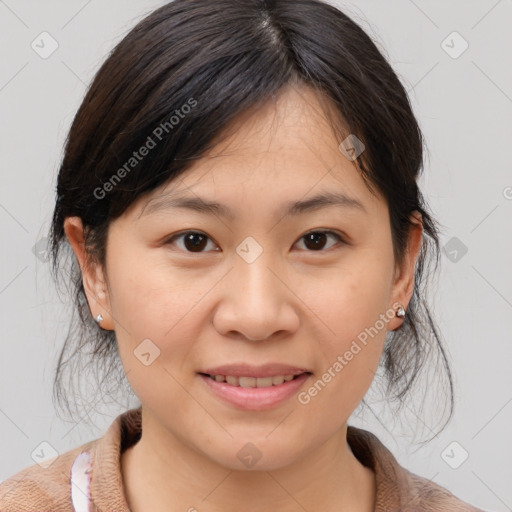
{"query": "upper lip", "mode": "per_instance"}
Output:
(246, 370)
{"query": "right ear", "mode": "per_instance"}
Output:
(93, 277)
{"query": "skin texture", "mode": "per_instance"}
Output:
(294, 304)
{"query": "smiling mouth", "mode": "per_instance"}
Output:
(254, 382)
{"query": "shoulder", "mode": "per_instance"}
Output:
(72, 481)
(398, 488)
(45, 487)
(427, 496)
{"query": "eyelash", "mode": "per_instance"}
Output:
(326, 232)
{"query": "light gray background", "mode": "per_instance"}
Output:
(464, 106)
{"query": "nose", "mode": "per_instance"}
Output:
(256, 302)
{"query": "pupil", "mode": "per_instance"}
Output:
(195, 242)
(317, 240)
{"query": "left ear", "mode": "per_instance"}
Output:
(403, 285)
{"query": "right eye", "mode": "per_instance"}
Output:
(192, 241)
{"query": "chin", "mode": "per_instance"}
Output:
(255, 454)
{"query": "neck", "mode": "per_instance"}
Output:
(161, 473)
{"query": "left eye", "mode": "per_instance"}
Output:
(196, 241)
(315, 240)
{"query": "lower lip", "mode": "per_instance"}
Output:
(255, 399)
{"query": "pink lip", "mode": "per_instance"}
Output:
(245, 370)
(255, 399)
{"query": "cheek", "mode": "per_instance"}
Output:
(155, 310)
(353, 297)
(150, 298)
(353, 310)
(155, 324)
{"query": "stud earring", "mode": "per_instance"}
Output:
(99, 319)
(400, 312)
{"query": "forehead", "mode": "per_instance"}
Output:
(283, 150)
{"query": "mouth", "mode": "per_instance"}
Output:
(254, 393)
(254, 382)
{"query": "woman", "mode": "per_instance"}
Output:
(239, 190)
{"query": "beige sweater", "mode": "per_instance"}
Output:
(88, 478)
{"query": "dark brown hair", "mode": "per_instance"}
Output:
(221, 58)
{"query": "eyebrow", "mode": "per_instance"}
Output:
(197, 204)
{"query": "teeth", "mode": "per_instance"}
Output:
(253, 382)
(278, 379)
(230, 380)
(247, 382)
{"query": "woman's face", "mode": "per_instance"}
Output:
(255, 282)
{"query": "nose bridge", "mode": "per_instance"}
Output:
(255, 300)
(252, 273)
